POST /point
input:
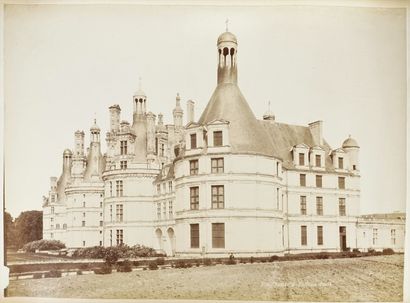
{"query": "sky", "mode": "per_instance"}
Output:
(66, 64)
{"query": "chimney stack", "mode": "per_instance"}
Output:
(190, 111)
(316, 128)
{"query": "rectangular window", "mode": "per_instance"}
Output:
(217, 165)
(318, 181)
(170, 209)
(83, 223)
(341, 182)
(170, 186)
(100, 204)
(303, 235)
(375, 236)
(159, 210)
(393, 236)
(194, 235)
(340, 162)
(319, 206)
(217, 196)
(302, 179)
(110, 189)
(342, 207)
(194, 197)
(57, 226)
(218, 235)
(123, 164)
(301, 159)
(218, 138)
(52, 209)
(158, 189)
(100, 243)
(84, 204)
(162, 149)
(123, 147)
(193, 167)
(119, 212)
(101, 223)
(318, 160)
(119, 188)
(193, 141)
(320, 235)
(303, 205)
(110, 237)
(120, 237)
(110, 213)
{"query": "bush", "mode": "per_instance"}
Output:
(207, 262)
(388, 251)
(252, 259)
(79, 272)
(273, 258)
(197, 263)
(180, 264)
(371, 250)
(230, 261)
(356, 250)
(43, 245)
(53, 274)
(37, 275)
(120, 251)
(153, 265)
(160, 261)
(104, 270)
(243, 261)
(125, 266)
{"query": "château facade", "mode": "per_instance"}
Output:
(226, 183)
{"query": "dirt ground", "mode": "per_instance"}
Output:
(353, 279)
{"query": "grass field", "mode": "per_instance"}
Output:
(14, 257)
(376, 278)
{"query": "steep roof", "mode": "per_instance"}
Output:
(284, 136)
(245, 134)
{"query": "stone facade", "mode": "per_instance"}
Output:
(227, 183)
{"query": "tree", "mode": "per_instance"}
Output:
(29, 227)
(10, 232)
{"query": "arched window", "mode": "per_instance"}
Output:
(226, 51)
(232, 51)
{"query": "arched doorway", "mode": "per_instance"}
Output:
(171, 240)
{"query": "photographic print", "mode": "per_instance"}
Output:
(205, 152)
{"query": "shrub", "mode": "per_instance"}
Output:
(388, 251)
(160, 261)
(53, 274)
(37, 275)
(371, 250)
(322, 255)
(43, 245)
(188, 265)
(125, 266)
(243, 261)
(207, 262)
(273, 258)
(356, 250)
(121, 251)
(230, 261)
(135, 263)
(180, 264)
(104, 270)
(252, 259)
(79, 272)
(153, 265)
(111, 255)
(197, 263)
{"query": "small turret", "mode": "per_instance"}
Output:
(351, 147)
(190, 108)
(227, 52)
(65, 177)
(94, 167)
(79, 143)
(150, 133)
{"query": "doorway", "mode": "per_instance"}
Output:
(342, 237)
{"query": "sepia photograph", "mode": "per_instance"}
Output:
(205, 151)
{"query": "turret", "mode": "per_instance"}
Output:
(227, 58)
(65, 177)
(178, 112)
(351, 147)
(115, 112)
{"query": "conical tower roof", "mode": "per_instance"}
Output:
(245, 133)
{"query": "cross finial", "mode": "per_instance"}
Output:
(269, 105)
(139, 83)
(226, 24)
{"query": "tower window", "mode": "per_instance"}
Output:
(318, 181)
(320, 235)
(232, 51)
(318, 160)
(340, 162)
(217, 196)
(341, 181)
(218, 138)
(119, 188)
(123, 147)
(119, 212)
(302, 179)
(303, 205)
(194, 197)
(319, 206)
(226, 51)
(123, 164)
(303, 236)
(301, 159)
(218, 235)
(342, 207)
(217, 165)
(193, 167)
(194, 235)
(120, 236)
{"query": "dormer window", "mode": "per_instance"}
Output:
(318, 160)
(218, 138)
(193, 141)
(340, 162)
(301, 159)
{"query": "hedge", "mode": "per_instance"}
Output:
(43, 245)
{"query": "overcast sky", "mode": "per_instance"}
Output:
(65, 65)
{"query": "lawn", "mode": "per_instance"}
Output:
(377, 278)
(14, 257)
